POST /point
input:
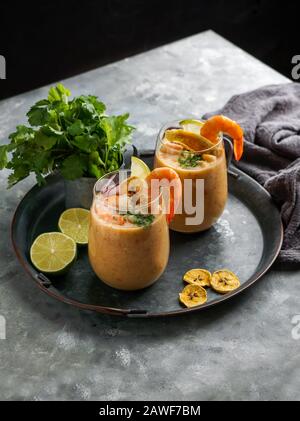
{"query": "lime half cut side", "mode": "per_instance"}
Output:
(139, 168)
(74, 222)
(191, 125)
(53, 252)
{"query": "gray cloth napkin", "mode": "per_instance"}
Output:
(270, 117)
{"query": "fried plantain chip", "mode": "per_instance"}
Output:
(224, 281)
(192, 296)
(190, 141)
(199, 277)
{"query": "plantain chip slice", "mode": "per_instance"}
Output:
(190, 141)
(224, 281)
(199, 277)
(193, 295)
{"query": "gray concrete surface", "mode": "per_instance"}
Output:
(240, 350)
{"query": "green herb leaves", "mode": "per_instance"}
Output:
(74, 137)
(73, 167)
(3, 156)
(58, 93)
(188, 159)
(139, 219)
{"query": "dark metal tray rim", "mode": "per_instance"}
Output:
(46, 286)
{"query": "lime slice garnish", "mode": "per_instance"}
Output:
(53, 252)
(139, 168)
(74, 222)
(191, 125)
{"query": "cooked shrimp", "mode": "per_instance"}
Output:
(171, 148)
(107, 216)
(132, 185)
(219, 123)
(174, 188)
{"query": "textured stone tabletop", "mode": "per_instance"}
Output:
(243, 349)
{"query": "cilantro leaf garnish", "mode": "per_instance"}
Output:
(139, 219)
(75, 137)
(189, 159)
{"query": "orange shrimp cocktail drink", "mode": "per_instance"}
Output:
(129, 233)
(195, 150)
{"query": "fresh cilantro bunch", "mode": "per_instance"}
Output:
(74, 137)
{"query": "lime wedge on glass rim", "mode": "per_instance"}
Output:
(191, 125)
(74, 222)
(53, 252)
(139, 168)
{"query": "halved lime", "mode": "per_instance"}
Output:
(53, 252)
(191, 125)
(139, 168)
(74, 222)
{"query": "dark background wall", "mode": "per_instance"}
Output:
(48, 41)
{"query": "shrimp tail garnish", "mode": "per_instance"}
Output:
(217, 124)
(164, 173)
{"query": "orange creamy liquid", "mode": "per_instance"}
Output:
(214, 175)
(128, 257)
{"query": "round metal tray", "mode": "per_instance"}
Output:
(246, 240)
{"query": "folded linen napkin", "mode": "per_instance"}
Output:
(270, 117)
